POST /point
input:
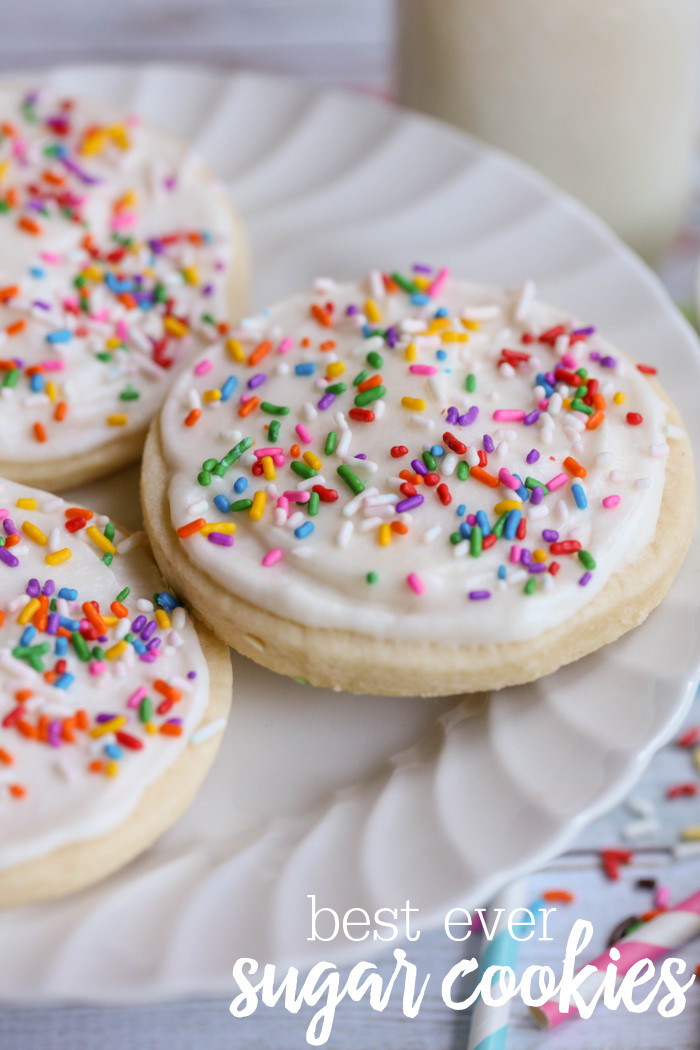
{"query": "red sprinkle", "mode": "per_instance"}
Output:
(686, 790)
(634, 419)
(690, 737)
(565, 547)
(361, 415)
(647, 370)
(398, 451)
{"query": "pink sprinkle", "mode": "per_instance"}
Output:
(569, 361)
(515, 554)
(272, 557)
(56, 365)
(303, 433)
(611, 501)
(436, 286)
(285, 346)
(97, 667)
(415, 583)
(122, 330)
(202, 367)
(101, 315)
(423, 370)
(509, 415)
(662, 897)
(136, 698)
(123, 220)
(279, 459)
(506, 478)
(543, 405)
(296, 496)
(51, 257)
(557, 482)
(260, 452)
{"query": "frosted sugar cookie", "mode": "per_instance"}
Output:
(414, 485)
(121, 258)
(112, 699)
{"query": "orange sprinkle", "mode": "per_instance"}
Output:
(328, 345)
(294, 451)
(67, 728)
(574, 467)
(92, 614)
(61, 411)
(170, 729)
(78, 512)
(249, 406)
(9, 292)
(16, 327)
(599, 402)
(41, 616)
(321, 315)
(10, 541)
(127, 300)
(369, 383)
(306, 341)
(479, 474)
(191, 527)
(398, 526)
(410, 477)
(168, 691)
(119, 610)
(29, 225)
(50, 677)
(2, 617)
(193, 417)
(96, 766)
(23, 694)
(593, 422)
(561, 896)
(27, 729)
(260, 350)
(40, 432)
(18, 790)
(81, 718)
(43, 727)
(6, 757)
(53, 179)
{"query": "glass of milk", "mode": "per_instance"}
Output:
(596, 94)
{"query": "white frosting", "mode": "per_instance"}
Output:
(64, 802)
(321, 579)
(128, 180)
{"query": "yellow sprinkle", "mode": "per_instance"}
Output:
(150, 728)
(235, 350)
(505, 505)
(191, 274)
(268, 468)
(102, 728)
(28, 611)
(27, 504)
(335, 368)
(111, 621)
(34, 533)
(455, 337)
(3, 169)
(539, 555)
(175, 327)
(439, 323)
(619, 398)
(415, 404)
(58, 556)
(162, 619)
(211, 395)
(101, 541)
(313, 461)
(119, 420)
(51, 390)
(410, 352)
(112, 768)
(119, 134)
(422, 282)
(384, 534)
(227, 527)
(373, 312)
(691, 833)
(566, 402)
(116, 650)
(112, 343)
(473, 326)
(94, 142)
(259, 500)
(92, 273)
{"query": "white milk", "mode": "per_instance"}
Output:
(597, 94)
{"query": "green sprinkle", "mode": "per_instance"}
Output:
(367, 396)
(159, 293)
(350, 478)
(582, 391)
(241, 504)
(455, 538)
(204, 477)
(273, 431)
(236, 452)
(32, 654)
(129, 394)
(219, 470)
(404, 283)
(372, 577)
(533, 483)
(470, 383)
(80, 645)
(374, 359)
(107, 559)
(104, 357)
(145, 709)
(98, 653)
(360, 377)
(12, 377)
(500, 525)
(586, 559)
(210, 464)
(580, 406)
(4, 206)
(274, 410)
(314, 500)
(462, 470)
(336, 388)
(429, 460)
(529, 587)
(303, 469)
(129, 637)
(583, 372)
(110, 530)
(331, 442)
(475, 542)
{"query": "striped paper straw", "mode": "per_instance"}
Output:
(651, 941)
(489, 1025)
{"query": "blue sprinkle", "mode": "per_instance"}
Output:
(138, 645)
(64, 681)
(113, 750)
(70, 625)
(61, 335)
(61, 647)
(441, 311)
(522, 491)
(28, 635)
(461, 510)
(501, 572)
(511, 526)
(580, 496)
(36, 271)
(441, 354)
(465, 530)
(307, 368)
(420, 299)
(222, 503)
(166, 601)
(240, 485)
(367, 331)
(483, 522)
(36, 383)
(68, 593)
(228, 387)
(117, 286)
(437, 451)
(304, 530)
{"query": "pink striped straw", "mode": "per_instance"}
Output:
(651, 941)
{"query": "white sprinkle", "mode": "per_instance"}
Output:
(343, 446)
(208, 731)
(638, 829)
(472, 456)
(432, 534)
(309, 411)
(672, 432)
(343, 537)
(144, 605)
(641, 807)
(659, 450)
(642, 483)
(526, 296)
(616, 475)
(370, 523)
(603, 459)
(449, 464)
(541, 510)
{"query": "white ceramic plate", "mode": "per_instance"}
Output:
(366, 802)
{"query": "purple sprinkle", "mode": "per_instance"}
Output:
(149, 630)
(471, 520)
(149, 656)
(584, 579)
(532, 456)
(537, 566)
(156, 246)
(208, 289)
(257, 380)
(48, 588)
(584, 331)
(174, 722)
(8, 558)
(138, 624)
(550, 535)
(452, 414)
(536, 496)
(608, 361)
(488, 444)
(531, 417)
(153, 644)
(33, 588)
(526, 556)
(191, 674)
(479, 596)
(409, 504)
(105, 717)
(9, 527)
(469, 417)
(55, 728)
(223, 539)
(551, 378)
(594, 355)
(351, 310)
(80, 173)
(392, 336)
(422, 268)
(326, 401)
(419, 467)
(53, 622)
(170, 182)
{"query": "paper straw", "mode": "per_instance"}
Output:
(651, 941)
(489, 1024)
